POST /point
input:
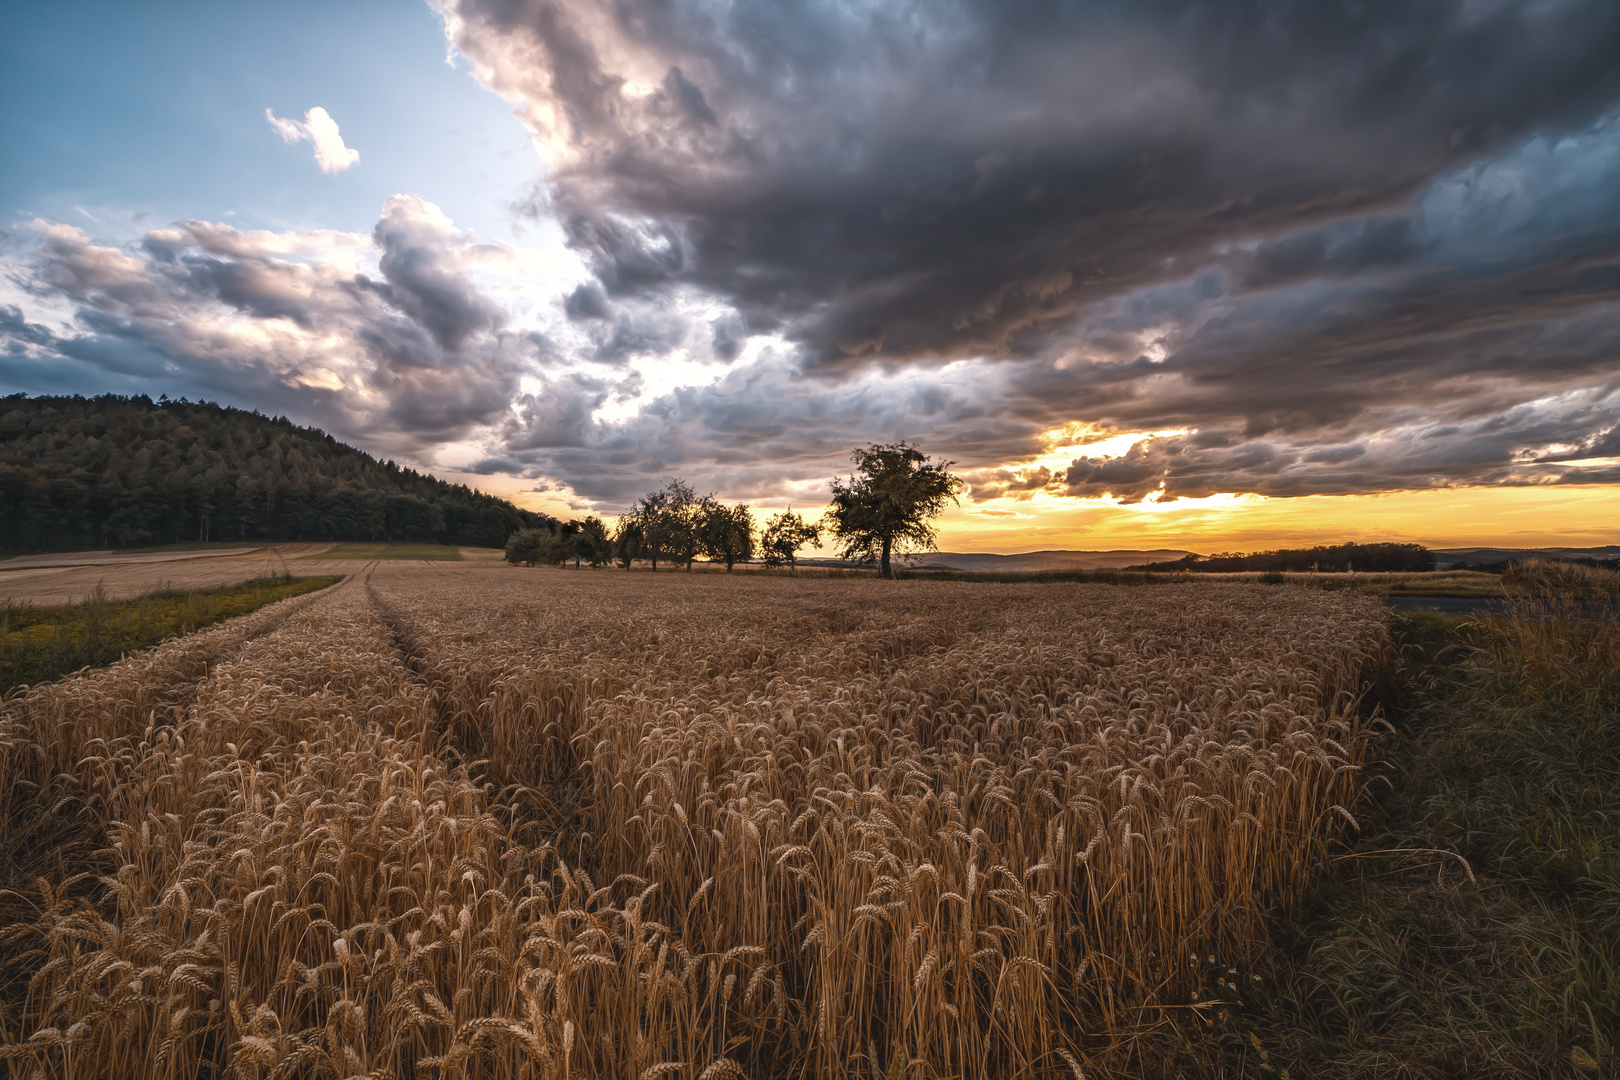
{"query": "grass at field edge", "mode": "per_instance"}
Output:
(41, 644)
(1475, 928)
(391, 550)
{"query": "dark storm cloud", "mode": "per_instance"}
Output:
(1511, 298)
(639, 334)
(1350, 247)
(587, 301)
(558, 416)
(19, 333)
(758, 432)
(1342, 248)
(406, 362)
(423, 281)
(1351, 369)
(959, 178)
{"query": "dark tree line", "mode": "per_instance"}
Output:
(1335, 559)
(673, 525)
(113, 471)
(883, 509)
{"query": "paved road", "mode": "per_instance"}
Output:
(1447, 605)
(1481, 605)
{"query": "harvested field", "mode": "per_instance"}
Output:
(494, 823)
(53, 580)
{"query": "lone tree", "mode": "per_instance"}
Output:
(785, 534)
(726, 533)
(886, 506)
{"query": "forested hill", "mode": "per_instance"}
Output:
(113, 471)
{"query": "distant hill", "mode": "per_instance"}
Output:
(1031, 561)
(78, 473)
(1489, 556)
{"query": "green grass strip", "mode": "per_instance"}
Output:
(430, 552)
(39, 644)
(1475, 930)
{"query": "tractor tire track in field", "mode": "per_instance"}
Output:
(67, 748)
(540, 800)
(501, 824)
(47, 803)
(415, 662)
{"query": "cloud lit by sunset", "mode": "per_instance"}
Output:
(1144, 293)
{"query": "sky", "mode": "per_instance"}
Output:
(1216, 275)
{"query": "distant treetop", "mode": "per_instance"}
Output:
(1335, 558)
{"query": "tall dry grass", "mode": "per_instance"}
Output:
(1561, 579)
(669, 827)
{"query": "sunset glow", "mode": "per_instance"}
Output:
(1140, 293)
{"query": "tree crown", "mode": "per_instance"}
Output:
(889, 501)
(785, 534)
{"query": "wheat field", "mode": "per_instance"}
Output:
(487, 822)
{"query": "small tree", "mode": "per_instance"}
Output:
(726, 533)
(554, 547)
(629, 540)
(671, 522)
(591, 542)
(542, 547)
(785, 534)
(521, 546)
(663, 523)
(887, 505)
(568, 540)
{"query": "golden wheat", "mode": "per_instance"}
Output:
(504, 824)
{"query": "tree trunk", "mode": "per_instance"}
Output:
(885, 571)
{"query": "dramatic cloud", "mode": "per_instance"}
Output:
(1294, 230)
(319, 128)
(1148, 251)
(959, 179)
(288, 322)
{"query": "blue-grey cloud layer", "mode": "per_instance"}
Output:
(1332, 216)
(1354, 247)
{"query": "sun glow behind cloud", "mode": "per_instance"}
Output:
(1534, 512)
(1573, 515)
(1072, 441)
(666, 304)
(1531, 516)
